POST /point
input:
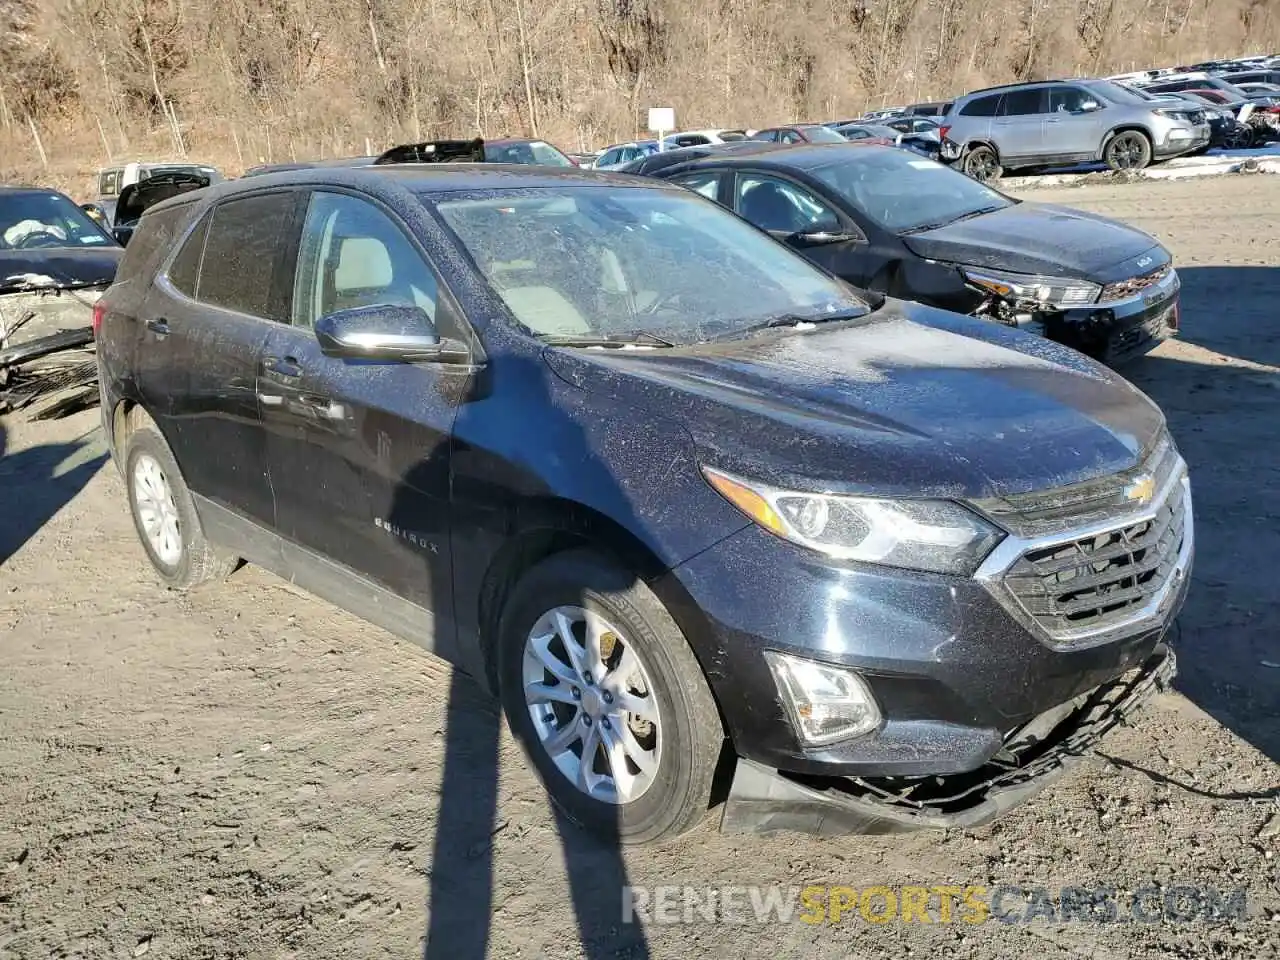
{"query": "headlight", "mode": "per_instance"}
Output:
(1055, 291)
(825, 702)
(933, 535)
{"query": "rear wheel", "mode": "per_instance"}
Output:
(1239, 137)
(606, 697)
(982, 164)
(1129, 150)
(165, 517)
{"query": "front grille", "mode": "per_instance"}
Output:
(1043, 513)
(1123, 289)
(1101, 581)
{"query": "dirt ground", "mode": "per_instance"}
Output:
(250, 772)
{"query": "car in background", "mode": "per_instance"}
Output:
(1225, 130)
(934, 108)
(1270, 77)
(112, 180)
(702, 138)
(874, 134)
(875, 116)
(1260, 89)
(623, 153)
(1066, 122)
(55, 261)
(866, 565)
(887, 221)
(799, 133)
(646, 166)
(524, 150)
(137, 198)
(1202, 83)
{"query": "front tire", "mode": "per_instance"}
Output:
(165, 516)
(591, 663)
(1129, 150)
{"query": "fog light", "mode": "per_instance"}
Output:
(825, 702)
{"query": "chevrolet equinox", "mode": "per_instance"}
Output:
(686, 503)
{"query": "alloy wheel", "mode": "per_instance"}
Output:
(1128, 152)
(981, 165)
(157, 511)
(591, 701)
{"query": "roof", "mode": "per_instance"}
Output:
(28, 188)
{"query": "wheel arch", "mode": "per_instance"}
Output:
(1132, 127)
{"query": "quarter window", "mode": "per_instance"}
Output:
(353, 255)
(706, 183)
(184, 272)
(240, 254)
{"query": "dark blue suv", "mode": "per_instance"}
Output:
(687, 502)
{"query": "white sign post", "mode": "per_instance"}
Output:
(662, 121)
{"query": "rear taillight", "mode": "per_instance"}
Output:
(99, 311)
(943, 131)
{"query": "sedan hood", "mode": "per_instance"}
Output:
(909, 401)
(1039, 239)
(66, 266)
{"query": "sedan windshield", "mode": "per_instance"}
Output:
(901, 191)
(822, 135)
(534, 151)
(648, 265)
(36, 218)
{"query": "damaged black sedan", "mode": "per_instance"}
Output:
(909, 227)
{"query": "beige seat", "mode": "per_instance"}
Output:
(545, 310)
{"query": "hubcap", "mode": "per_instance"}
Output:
(592, 704)
(1127, 151)
(156, 510)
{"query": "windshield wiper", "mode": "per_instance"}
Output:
(925, 227)
(641, 339)
(798, 320)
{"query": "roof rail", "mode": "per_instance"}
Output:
(1023, 83)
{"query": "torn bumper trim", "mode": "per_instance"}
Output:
(763, 799)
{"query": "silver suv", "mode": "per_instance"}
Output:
(1062, 122)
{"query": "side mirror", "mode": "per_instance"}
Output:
(122, 234)
(94, 211)
(1089, 106)
(379, 332)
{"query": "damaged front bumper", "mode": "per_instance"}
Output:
(38, 310)
(1033, 756)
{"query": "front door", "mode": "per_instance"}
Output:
(359, 450)
(1070, 131)
(204, 324)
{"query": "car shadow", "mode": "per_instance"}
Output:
(1224, 418)
(462, 876)
(37, 482)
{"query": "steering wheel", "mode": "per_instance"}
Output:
(38, 238)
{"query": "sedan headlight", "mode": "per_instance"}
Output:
(932, 535)
(1055, 291)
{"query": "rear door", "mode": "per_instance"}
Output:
(1071, 132)
(359, 450)
(1018, 127)
(204, 322)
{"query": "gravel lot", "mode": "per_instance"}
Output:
(250, 772)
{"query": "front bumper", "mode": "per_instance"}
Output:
(1035, 755)
(1180, 140)
(1121, 329)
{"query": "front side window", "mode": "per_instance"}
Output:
(782, 206)
(1067, 100)
(353, 254)
(621, 262)
(900, 191)
(34, 219)
(240, 253)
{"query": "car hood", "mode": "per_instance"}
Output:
(1039, 238)
(66, 266)
(908, 401)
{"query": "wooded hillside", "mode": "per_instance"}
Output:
(237, 82)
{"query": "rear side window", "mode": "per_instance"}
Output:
(240, 253)
(184, 272)
(982, 107)
(1024, 103)
(154, 236)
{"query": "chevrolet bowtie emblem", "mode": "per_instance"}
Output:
(1141, 489)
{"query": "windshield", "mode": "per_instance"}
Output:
(822, 135)
(30, 220)
(1117, 92)
(902, 191)
(626, 262)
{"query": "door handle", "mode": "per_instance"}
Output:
(286, 367)
(159, 326)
